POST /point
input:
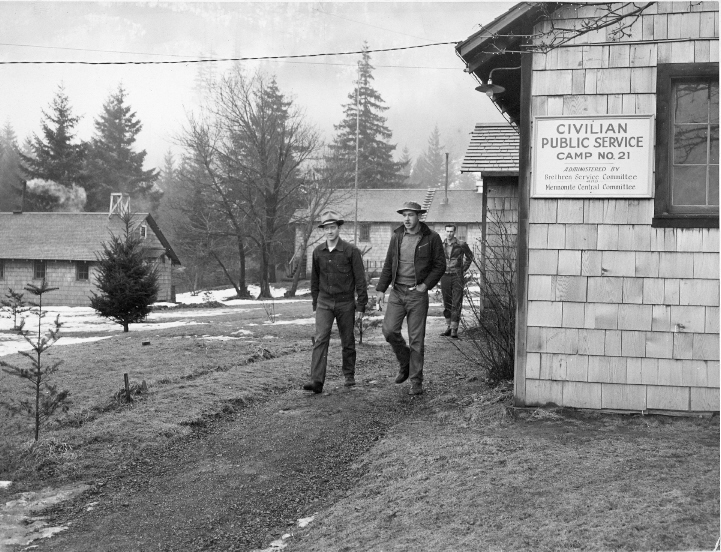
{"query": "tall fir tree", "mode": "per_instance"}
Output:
(56, 157)
(10, 180)
(407, 164)
(376, 166)
(430, 168)
(113, 165)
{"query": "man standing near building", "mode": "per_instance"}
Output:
(337, 275)
(414, 264)
(458, 260)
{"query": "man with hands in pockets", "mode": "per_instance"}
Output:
(337, 277)
(414, 264)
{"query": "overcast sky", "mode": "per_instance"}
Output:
(421, 87)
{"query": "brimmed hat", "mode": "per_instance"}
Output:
(330, 217)
(411, 206)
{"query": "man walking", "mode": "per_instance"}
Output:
(458, 260)
(336, 276)
(414, 264)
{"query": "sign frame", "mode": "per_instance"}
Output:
(643, 191)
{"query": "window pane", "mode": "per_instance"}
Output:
(689, 185)
(691, 103)
(713, 185)
(714, 144)
(713, 115)
(689, 144)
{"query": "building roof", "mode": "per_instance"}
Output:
(66, 236)
(493, 150)
(374, 205)
(463, 206)
(497, 46)
(382, 205)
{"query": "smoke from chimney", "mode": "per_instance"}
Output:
(69, 199)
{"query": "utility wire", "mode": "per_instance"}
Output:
(367, 24)
(206, 60)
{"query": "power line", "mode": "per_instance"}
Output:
(211, 60)
(367, 24)
(86, 50)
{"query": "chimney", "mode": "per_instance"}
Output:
(119, 204)
(19, 210)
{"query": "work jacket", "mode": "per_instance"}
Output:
(458, 257)
(429, 260)
(338, 274)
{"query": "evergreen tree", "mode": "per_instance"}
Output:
(55, 157)
(127, 283)
(113, 166)
(11, 183)
(430, 168)
(376, 167)
(407, 164)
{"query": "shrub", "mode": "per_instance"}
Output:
(490, 292)
(128, 284)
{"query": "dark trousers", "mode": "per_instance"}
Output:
(343, 312)
(411, 305)
(452, 291)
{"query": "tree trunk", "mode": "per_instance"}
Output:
(242, 289)
(264, 285)
(227, 274)
(125, 326)
(298, 268)
(37, 402)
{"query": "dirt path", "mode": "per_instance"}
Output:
(242, 480)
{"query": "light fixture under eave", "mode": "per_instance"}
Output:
(489, 89)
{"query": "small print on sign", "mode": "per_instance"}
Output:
(585, 157)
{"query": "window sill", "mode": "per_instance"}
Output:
(685, 221)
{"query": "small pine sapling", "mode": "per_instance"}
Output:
(47, 397)
(128, 284)
(13, 306)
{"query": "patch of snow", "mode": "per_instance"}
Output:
(9, 347)
(227, 296)
(297, 321)
(5, 484)
(17, 527)
(302, 522)
(242, 332)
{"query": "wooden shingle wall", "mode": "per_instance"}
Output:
(620, 315)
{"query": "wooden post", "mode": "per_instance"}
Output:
(127, 387)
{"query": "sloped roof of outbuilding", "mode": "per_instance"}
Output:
(382, 205)
(65, 236)
(493, 150)
(463, 207)
(374, 205)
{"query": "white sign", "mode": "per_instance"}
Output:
(585, 157)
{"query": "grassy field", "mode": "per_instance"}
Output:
(190, 371)
(463, 470)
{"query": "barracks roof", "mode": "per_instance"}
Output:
(65, 236)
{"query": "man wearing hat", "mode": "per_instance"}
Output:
(337, 276)
(414, 264)
(458, 259)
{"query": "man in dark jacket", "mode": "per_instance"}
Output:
(458, 260)
(414, 264)
(336, 277)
